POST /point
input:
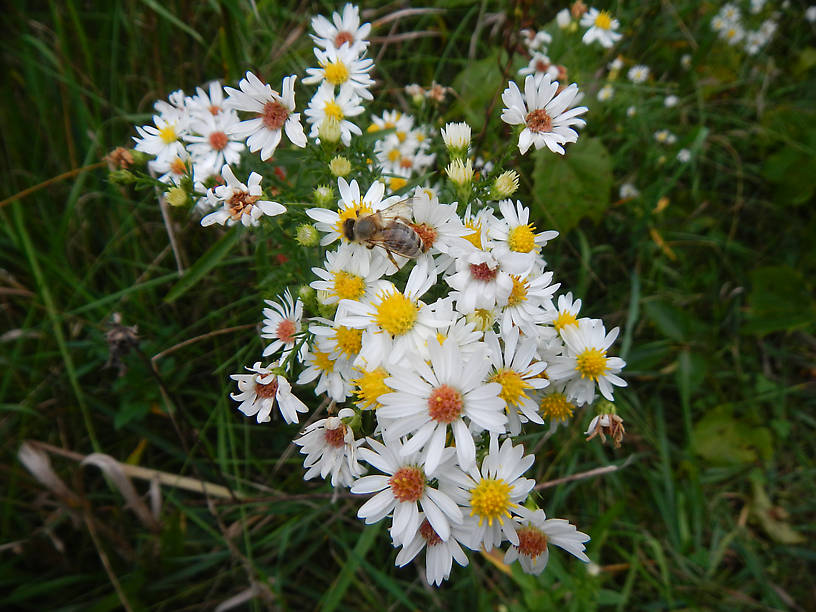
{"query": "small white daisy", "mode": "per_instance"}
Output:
(161, 139)
(546, 117)
(333, 375)
(331, 449)
(605, 93)
(324, 105)
(347, 276)
(282, 324)
(602, 28)
(536, 532)
(273, 112)
(439, 554)
(241, 203)
(517, 243)
(342, 30)
(212, 143)
(342, 67)
(638, 74)
(259, 391)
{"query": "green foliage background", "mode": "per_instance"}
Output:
(713, 506)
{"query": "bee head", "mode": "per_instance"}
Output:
(348, 228)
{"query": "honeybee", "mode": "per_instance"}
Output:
(390, 228)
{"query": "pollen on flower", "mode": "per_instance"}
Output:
(603, 20)
(168, 134)
(274, 115)
(178, 167)
(490, 499)
(513, 386)
(348, 286)
(521, 239)
(426, 233)
(240, 202)
(323, 361)
(538, 121)
(333, 110)
(483, 272)
(407, 484)
(445, 404)
(268, 390)
(349, 341)
(286, 331)
(591, 363)
(518, 294)
(396, 314)
(532, 541)
(396, 182)
(370, 386)
(555, 406)
(476, 237)
(563, 319)
(482, 318)
(336, 73)
(428, 534)
(218, 141)
(393, 155)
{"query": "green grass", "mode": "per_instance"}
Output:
(714, 507)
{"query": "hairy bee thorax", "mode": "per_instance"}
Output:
(348, 229)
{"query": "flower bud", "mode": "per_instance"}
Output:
(457, 139)
(307, 236)
(340, 166)
(505, 185)
(323, 195)
(176, 196)
(329, 130)
(122, 177)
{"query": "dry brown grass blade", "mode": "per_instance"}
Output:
(39, 464)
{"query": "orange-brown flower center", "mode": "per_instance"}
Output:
(343, 37)
(240, 201)
(483, 272)
(335, 437)
(427, 234)
(445, 404)
(274, 115)
(218, 140)
(532, 541)
(539, 121)
(407, 484)
(427, 532)
(286, 331)
(265, 391)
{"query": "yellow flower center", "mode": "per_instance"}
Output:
(521, 239)
(323, 361)
(482, 318)
(393, 155)
(370, 386)
(336, 73)
(348, 340)
(513, 386)
(603, 20)
(591, 363)
(490, 499)
(518, 294)
(401, 136)
(168, 134)
(333, 110)
(563, 319)
(348, 286)
(556, 407)
(396, 183)
(396, 314)
(476, 237)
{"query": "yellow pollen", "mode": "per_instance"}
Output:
(440, 337)
(513, 386)
(490, 499)
(401, 136)
(555, 406)
(370, 386)
(336, 73)
(349, 341)
(482, 318)
(348, 286)
(396, 183)
(521, 239)
(396, 314)
(603, 20)
(591, 363)
(563, 319)
(333, 110)
(168, 134)
(373, 128)
(323, 361)
(476, 237)
(518, 294)
(393, 155)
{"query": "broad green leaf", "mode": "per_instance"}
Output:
(671, 321)
(723, 438)
(574, 186)
(779, 300)
(204, 264)
(477, 85)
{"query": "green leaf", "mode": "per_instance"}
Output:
(723, 438)
(204, 264)
(477, 85)
(779, 300)
(574, 186)
(671, 321)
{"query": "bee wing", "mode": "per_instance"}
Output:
(398, 210)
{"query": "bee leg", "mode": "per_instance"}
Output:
(391, 257)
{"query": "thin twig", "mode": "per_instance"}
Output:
(582, 475)
(189, 341)
(103, 557)
(405, 13)
(54, 179)
(168, 225)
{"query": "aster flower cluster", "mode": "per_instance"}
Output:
(732, 25)
(431, 331)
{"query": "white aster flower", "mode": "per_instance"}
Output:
(481, 285)
(259, 391)
(429, 399)
(638, 74)
(540, 64)
(494, 493)
(670, 101)
(536, 532)
(172, 170)
(406, 488)
(585, 362)
(456, 137)
(207, 102)
(348, 276)
(517, 243)
(529, 295)
(732, 33)
(546, 117)
(282, 324)
(631, 111)
(324, 105)
(273, 112)
(341, 67)
(683, 156)
(565, 312)
(333, 375)
(628, 191)
(439, 553)
(342, 30)
(212, 143)
(665, 137)
(605, 93)
(602, 28)
(174, 110)
(241, 203)
(161, 139)
(440, 229)
(331, 449)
